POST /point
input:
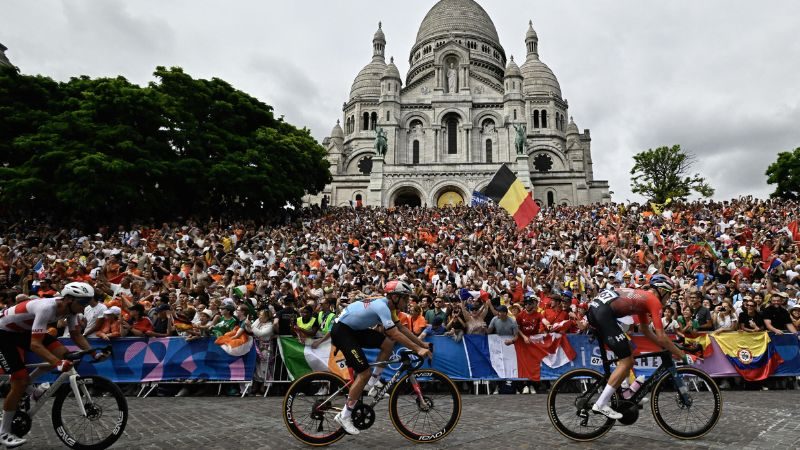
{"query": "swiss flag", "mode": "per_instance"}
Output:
(552, 349)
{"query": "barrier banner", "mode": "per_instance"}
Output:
(478, 357)
(137, 360)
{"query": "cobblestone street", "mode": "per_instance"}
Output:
(749, 420)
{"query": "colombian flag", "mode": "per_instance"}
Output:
(507, 191)
(753, 355)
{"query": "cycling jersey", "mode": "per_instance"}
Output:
(630, 302)
(33, 316)
(366, 314)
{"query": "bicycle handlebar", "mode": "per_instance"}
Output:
(75, 356)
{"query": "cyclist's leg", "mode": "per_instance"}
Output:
(55, 347)
(12, 362)
(603, 319)
(386, 350)
(347, 341)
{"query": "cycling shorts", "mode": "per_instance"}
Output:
(351, 342)
(12, 351)
(603, 319)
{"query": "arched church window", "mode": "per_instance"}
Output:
(452, 134)
(515, 114)
(373, 121)
(415, 152)
(544, 119)
(388, 115)
(488, 150)
(365, 125)
(550, 199)
(536, 118)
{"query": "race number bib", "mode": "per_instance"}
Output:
(606, 296)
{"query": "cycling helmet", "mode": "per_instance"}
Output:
(83, 292)
(397, 287)
(663, 282)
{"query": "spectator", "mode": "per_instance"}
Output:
(795, 315)
(455, 326)
(110, 326)
(227, 322)
(286, 317)
(436, 328)
(306, 326)
(671, 325)
(263, 331)
(325, 319)
(750, 319)
(414, 321)
(438, 310)
(475, 318)
(504, 326)
(724, 317)
(163, 325)
(700, 313)
(776, 317)
(529, 319)
(93, 317)
(138, 325)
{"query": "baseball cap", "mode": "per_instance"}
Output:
(115, 310)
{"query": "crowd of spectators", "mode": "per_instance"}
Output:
(472, 270)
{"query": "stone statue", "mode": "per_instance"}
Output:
(519, 140)
(452, 80)
(381, 145)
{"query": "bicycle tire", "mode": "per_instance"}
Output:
(308, 386)
(564, 386)
(666, 387)
(102, 389)
(432, 380)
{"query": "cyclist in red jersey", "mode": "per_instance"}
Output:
(23, 327)
(603, 313)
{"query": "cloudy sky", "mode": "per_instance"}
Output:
(721, 78)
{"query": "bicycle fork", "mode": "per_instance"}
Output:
(423, 404)
(77, 390)
(683, 391)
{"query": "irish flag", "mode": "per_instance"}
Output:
(301, 359)
(489, 357)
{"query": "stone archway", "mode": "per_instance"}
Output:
(406, 196)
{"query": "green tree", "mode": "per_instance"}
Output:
(108, 151)
(663, 173)
(785, 172)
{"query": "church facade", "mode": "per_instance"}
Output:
(463, 109)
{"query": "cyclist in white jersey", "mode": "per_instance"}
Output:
(354, 330)
(23, 327)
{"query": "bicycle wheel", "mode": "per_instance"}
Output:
(681, 420)
(570, 401)
(308, 408)
(105, 419)
(429, 419)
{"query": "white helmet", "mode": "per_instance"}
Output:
(78, 290)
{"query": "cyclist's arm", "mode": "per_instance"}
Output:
(403, 336)
(401, 329)
(660, 338)
(79, 339)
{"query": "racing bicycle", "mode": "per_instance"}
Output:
(424, 404)
(686, 402)
(89, 412)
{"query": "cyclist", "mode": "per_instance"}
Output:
(353, 330)
(23, 327)
(603, 313)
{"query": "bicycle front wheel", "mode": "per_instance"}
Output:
(310, 405)
(106, 414)
(569, 405)
(426, 414)
(687, 419)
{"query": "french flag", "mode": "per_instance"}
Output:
(39, 269)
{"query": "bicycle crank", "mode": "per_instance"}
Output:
(22, 424)
(363, 416)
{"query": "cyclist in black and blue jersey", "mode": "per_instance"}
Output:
(354, 330)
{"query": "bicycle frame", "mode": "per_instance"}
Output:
(402, 371)
(70, 376)
(667, 366)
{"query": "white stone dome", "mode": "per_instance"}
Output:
(368, 81)
(337, 131)
(457, 17)
(391, 71)
(538, 78)
(512, 70)
(572, 128)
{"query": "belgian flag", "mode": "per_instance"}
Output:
(507, 191)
